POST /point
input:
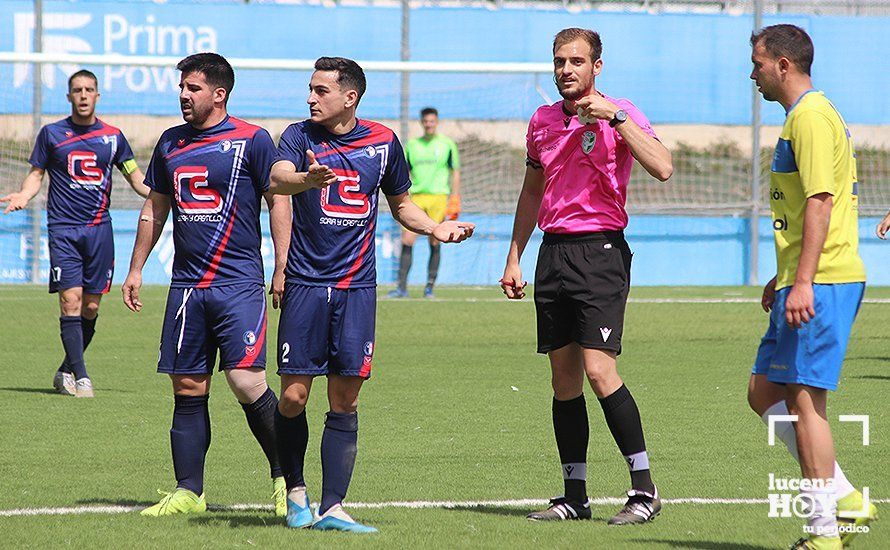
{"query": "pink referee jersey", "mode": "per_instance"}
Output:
(586, 169)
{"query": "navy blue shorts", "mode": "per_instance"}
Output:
(813, 354)
(326, 331)
(81, 257)
(199, 322)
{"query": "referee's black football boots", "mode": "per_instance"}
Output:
(639, 508)
(560, 509)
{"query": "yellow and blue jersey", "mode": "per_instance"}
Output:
(815, 155)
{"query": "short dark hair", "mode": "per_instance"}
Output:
(350, 75)
(216, 70)
(787, 41)
(83, 72)
(565, 36)
(429, 111)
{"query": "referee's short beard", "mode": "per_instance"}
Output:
(570, 94)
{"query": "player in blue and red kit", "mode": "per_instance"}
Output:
(334, 164)
(212, 172)
(78, 152)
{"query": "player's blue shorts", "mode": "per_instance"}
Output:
(326, 331)
(199, 322)
(81, 257)
(813, 354)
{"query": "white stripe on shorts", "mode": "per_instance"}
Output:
(185, 298)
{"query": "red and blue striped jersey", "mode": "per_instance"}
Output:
(79, 160)
(332, 241)
(216, 177)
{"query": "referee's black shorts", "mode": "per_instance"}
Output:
(581, 286)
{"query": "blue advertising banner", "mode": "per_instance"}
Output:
(679, 68)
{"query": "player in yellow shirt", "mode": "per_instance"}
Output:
(815, 295)
(435, 188)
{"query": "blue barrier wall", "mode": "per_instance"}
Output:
(689, 68)
(668, 250)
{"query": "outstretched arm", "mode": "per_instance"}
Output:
(414, 219)
(285, 180)
(30, 188)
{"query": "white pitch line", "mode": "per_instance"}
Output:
(413, 504)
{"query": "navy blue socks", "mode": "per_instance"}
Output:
(88, 327)
(72, 341)
(261, 419)
(189, 441)
(339, 445)
(292, 437)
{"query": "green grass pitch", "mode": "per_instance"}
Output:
(458, 409)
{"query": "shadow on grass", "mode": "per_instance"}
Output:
(235, 521)
(872, 377)
(880, 359)
(45, 391)
(493, 510)
(33, 390)
(505, 511)
(116, 502)
(704, 544)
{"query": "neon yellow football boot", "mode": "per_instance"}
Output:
(818, 543)
(180, 501)
(851, 526)
(279, 496)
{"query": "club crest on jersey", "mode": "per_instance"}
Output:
(345, 198)
(181, 143)
(69, 133)
(371, 151)
(368, 349)
(193, 193)
(83, 169)
(250, 338)
(225, 146)
(588, 140)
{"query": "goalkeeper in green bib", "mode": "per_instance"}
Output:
(435, 188)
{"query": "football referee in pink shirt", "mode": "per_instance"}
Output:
(580, 154)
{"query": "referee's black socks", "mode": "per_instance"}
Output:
(623, 418)
(572, 434)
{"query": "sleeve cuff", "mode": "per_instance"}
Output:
(533, 163)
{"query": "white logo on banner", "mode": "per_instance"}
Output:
(53, 42)
(119, 35)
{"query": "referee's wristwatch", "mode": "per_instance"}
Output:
(620, 116)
